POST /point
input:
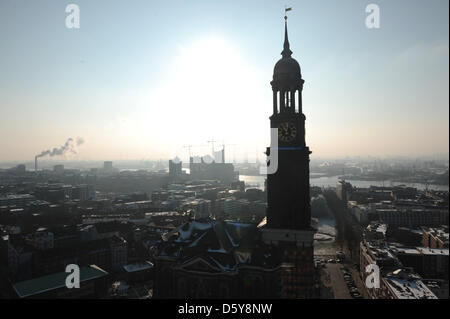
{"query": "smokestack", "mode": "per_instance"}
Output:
(67, 147)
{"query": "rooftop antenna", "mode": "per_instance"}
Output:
(212, 144)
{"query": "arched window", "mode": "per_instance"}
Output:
(278, 102)
(297, 102)
(287, 98)
(281, 101)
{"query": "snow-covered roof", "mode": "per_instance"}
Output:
(408, 286)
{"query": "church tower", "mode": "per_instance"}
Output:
(288, 211)
(288, 188)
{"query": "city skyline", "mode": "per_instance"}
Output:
(165, 152)
(143, 81)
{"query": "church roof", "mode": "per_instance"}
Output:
(218, 242)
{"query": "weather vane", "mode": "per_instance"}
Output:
(286, 9)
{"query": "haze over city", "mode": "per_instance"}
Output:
(224, 150)
(141, 81)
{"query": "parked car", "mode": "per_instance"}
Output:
(355, 294)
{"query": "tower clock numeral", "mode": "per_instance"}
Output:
(287, 131)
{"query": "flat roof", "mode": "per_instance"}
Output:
(138, 266)
(421, 250)
(54, 281)
(409, 288)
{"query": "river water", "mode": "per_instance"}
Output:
(325, 181)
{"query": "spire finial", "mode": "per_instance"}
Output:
(286, 9)
(286, 50)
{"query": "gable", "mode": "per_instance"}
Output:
(199, 265)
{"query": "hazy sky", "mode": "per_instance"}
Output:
(140, 79)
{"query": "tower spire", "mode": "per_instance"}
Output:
(286, 49)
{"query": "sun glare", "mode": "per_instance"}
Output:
(208, 93)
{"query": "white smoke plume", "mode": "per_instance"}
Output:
(68, 147)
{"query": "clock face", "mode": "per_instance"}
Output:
(287, 131)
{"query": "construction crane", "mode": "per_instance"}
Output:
(223, 149)
(189, 148)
